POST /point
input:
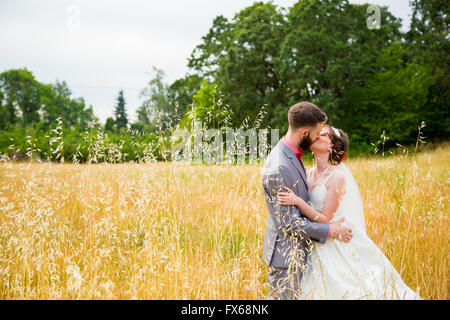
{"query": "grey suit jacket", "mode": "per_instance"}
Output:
(289, 232)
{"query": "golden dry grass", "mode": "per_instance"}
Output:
(180, 231)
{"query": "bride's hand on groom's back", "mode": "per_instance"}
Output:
(340, 232)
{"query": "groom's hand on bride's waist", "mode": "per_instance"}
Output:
(340, 232)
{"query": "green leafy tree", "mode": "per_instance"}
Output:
(391, 100)
(239, 56)
(110, 125)
(57, 102)
(181, 92)
(21, 96)
(328, 49)
(428, 40)
(139, 126)
(207, 108)
(3, 112)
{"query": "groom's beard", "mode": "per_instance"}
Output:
(306, 142)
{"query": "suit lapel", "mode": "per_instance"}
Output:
(297, 164)
(300, 169)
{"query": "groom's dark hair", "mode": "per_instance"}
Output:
(305, 114)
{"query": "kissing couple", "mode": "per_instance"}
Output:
(316, 245)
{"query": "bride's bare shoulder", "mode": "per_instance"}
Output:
(337, 177)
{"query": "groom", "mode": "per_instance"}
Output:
(288, 232)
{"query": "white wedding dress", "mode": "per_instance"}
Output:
(354, 270)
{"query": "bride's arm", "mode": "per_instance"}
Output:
(336, 189)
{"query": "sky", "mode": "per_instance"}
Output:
(101, 46)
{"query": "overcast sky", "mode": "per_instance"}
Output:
(99, 47)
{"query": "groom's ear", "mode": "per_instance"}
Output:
(304, 132)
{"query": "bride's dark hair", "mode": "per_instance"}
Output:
(340, 145)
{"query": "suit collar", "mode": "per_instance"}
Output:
(297, 163)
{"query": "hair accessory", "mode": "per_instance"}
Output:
(336, 131)
(342, 159)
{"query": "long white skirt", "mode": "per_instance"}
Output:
(354, 270)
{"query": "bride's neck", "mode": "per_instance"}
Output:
(321, 162)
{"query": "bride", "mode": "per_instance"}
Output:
(336, 269)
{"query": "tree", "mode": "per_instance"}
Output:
(138, 126)
(3, 113)
(120, 112)
(428, 41)
(56, 102)
(25, 101)
(156, 110)
(110, 125)
(181, 92)
(21, 95)
(428, 34)
(72, 111)
(390, 101)
(207, 108)
(328, 49)
(240, 57)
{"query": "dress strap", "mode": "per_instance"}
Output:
(326, 179)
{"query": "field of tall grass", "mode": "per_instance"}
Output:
(167, 230)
